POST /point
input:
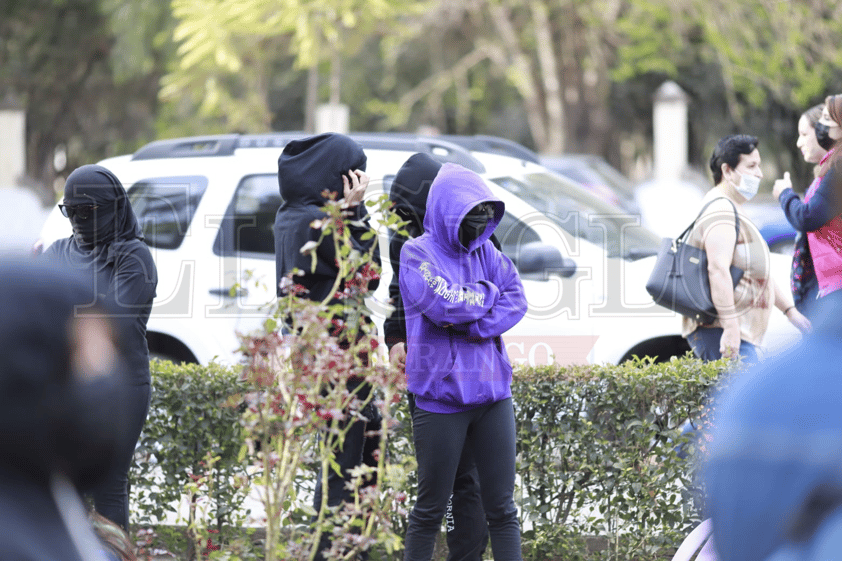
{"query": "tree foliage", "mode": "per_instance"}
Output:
(102, 76)
(78, 69)
(228, 49)
(765, 50)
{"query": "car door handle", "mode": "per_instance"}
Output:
(226, 292)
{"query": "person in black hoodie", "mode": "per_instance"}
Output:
(107, 248)
(61, 413)
(467, 531)
(306, 168)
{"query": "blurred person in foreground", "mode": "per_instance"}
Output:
(817, 261)
(467, 531)
(61, 410)
(774, 470)
(108, 251)
(115, 543)
(743, 310)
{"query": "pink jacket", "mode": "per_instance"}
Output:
(826, 249)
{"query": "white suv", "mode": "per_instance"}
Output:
(207, 206)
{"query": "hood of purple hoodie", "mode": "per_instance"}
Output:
(454, 192)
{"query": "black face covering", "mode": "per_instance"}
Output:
(475, 222)
(111, 217)
(823, 136)
(95, 229)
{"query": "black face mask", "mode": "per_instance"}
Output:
(823, 136)
(96, 229)
(475, 222)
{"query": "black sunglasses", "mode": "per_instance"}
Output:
(483, 209)
(83, 212)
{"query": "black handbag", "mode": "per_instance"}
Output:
(680, 279)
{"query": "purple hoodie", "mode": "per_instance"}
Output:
(458, 302)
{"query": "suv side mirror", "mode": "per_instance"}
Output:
(539, 261)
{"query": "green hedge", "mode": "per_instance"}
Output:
(598, 454)
(598, 451)
(192, 435)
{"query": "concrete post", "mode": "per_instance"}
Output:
(670, 131)
(12, 144)
(333, 117)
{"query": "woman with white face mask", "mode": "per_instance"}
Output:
(817, 262)
(729, 238)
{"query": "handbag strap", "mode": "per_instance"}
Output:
(683, 236)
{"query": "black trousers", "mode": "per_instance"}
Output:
(356, 449)
(111, 498)
(467, 531)
(488, 433)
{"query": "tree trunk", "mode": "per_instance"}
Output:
(311, 99)
(524, 79)
(555, 125)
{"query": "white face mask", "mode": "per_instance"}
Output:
(749, 185)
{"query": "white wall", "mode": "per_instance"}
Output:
(12, 146)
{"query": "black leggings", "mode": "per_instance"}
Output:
(111, 498)
(467, 532)
(489, 432)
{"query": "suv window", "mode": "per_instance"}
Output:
(514, 234)
(248, 223)
(165, 206)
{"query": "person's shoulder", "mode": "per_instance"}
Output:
(718, 204)
(299, 209)
(58, 246)
(134, 249)
(137, 245)
(718, 210)
(416, 246)
(488, 250)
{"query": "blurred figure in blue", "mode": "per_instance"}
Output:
(774, 473)
(61, 410)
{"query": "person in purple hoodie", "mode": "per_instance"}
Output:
(460, 295)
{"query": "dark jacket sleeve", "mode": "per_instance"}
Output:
(135, 278)
(823, 206)
(394, 326)
(131, 290)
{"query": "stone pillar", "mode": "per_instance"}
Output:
(333, 117)
(670, 131)
(12, 143)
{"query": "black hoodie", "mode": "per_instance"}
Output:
(306, 168)
(408, 195)
(108, 248)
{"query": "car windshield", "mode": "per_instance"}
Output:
(584, 215)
